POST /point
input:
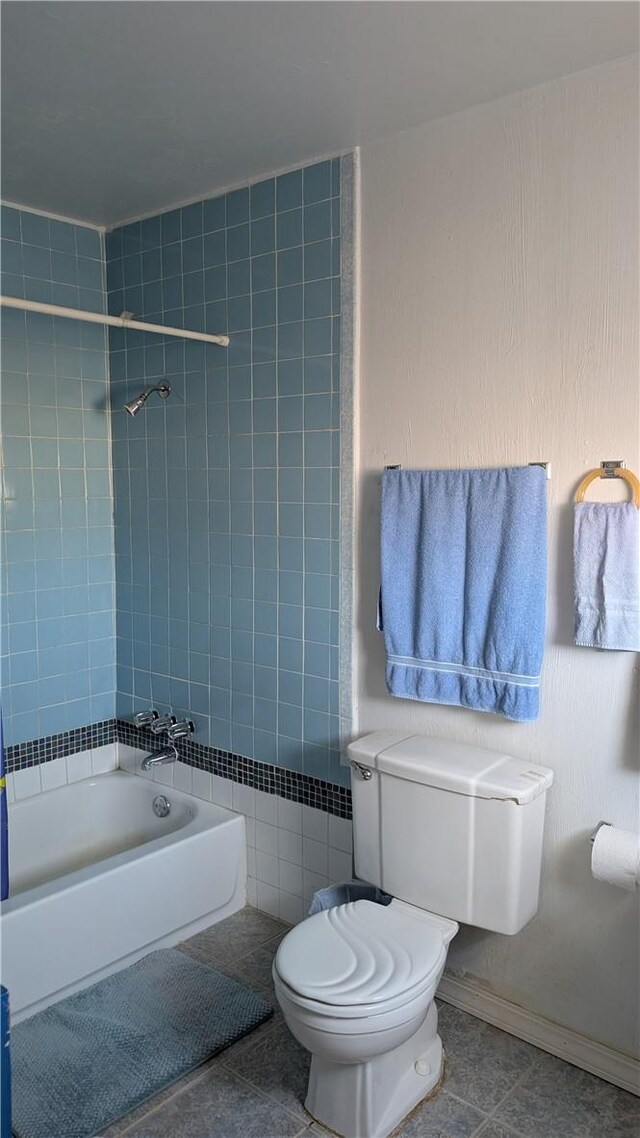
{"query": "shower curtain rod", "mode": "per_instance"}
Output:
(123, 321)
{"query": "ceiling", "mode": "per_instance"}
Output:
(115, 110)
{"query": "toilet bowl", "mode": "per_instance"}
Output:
(443, 828)
(356, 986)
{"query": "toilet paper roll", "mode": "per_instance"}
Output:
(615, 857)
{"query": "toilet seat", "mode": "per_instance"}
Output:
(361, 958)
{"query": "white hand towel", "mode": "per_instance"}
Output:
(606, 559)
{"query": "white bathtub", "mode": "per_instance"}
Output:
(98, 880)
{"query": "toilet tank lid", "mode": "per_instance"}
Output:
(458, 767)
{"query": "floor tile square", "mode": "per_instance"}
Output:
(128, 1120)
(219, 1105)
(254, 969)
(276, 1064)
(556, 1100)
(482, 1063)
(441, 1117)
(233, 938)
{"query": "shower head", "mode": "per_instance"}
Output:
(135, 405)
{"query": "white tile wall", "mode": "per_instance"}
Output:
(182, 777)
(289, 846)
(222, 790)
(104, 759)
(300, 850)
(59, 772)
(24, 783)
(315, 824)
(53, 774)
(78, 766)
(315, 856)
(201, 785)
(267, 838)
(267, 808)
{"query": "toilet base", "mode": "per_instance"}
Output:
(368, 1100)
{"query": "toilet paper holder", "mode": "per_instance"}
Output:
(592, 836)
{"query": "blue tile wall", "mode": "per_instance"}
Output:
(58, 566)
(227, 494)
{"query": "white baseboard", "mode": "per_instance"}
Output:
(613, 1066)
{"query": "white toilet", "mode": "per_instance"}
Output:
(454, 833)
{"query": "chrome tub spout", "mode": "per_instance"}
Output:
(167, 754)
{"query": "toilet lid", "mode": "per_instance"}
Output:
(359, 953)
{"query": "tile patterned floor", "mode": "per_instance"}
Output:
(496, 1086)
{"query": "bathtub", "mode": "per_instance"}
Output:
(98, 880)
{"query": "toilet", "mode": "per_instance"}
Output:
(453, 833)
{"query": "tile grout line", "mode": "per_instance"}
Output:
(200, 1077)
(268, 1097)
(176, 1094)
(456, 1098)
(265, 1028)
(192, 1077)
(239, 959)
(491, 1116)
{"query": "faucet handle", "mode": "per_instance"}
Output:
(162, 723)
(145, 718)
(181, 730)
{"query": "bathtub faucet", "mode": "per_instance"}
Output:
(167, 754)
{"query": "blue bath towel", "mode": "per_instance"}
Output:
(463, 594)
(606, 575)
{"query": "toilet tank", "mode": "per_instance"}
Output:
(453, 829)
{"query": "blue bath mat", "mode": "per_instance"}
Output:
(83, 1063)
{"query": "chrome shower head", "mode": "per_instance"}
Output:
(135, 405)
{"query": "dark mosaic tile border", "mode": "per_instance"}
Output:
(327, 796)
(49, 747)
(296, 787)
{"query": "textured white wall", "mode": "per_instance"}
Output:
(499, 308)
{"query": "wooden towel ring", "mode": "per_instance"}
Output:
(618, 472)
